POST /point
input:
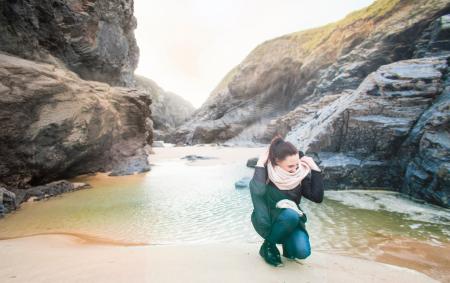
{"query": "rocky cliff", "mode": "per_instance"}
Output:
(286, 72)
(93, 38)
(169, 110)
(67, 106)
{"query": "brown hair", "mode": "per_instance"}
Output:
(279, 149)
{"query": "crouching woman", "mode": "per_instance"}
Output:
(282, 176)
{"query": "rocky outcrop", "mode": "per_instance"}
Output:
(95, 39)
(56, 125)
(392, 132)
(283, 73)
(169, 110)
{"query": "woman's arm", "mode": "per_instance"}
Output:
(261, 215)
(312, 187)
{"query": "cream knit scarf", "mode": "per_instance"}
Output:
(285, 180)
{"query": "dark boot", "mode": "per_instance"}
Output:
(275, 250)
(270, 253)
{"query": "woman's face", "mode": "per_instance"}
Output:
(290, 163)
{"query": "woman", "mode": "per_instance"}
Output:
(282, 172)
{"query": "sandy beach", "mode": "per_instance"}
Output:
(72, 257)
(66, 258)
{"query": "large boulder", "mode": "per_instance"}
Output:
(56, 125)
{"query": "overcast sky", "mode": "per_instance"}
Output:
(187, 46)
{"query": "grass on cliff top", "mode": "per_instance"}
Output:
(312, 38)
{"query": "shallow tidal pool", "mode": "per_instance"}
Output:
(177, 202)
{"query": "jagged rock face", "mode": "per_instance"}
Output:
(283, 73)
(93, 38)
(425, 154)
(169, 110)
(392, 132)
(435, 39)
(55, 125)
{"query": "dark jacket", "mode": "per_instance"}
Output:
(265, 196)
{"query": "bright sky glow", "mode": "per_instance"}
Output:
(188, 46)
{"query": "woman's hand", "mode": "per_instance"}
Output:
(311, 163)
(263, 158)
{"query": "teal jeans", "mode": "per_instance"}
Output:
(286, 231)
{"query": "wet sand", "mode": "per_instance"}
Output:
(75, 257)
(64, 258)
(433, 260)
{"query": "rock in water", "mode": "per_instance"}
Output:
(55, 125)
(8, 201)
(242, 183)
(194, 157)
(252, 162)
